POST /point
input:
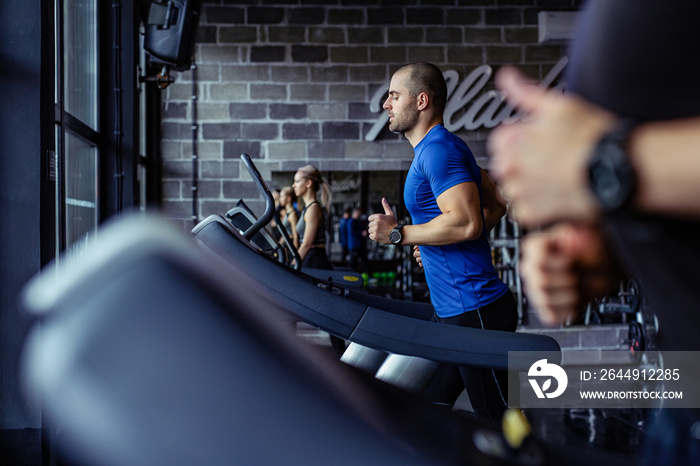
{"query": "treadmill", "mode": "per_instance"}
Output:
(381, 331)
(146, 351)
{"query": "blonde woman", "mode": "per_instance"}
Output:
(290, 216)
(311, 226)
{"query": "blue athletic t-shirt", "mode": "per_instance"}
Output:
(461, 277)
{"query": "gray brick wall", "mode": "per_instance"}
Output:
(290, 82)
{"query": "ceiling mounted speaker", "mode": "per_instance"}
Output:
(171, 32)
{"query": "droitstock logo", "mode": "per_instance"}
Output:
(546, 372)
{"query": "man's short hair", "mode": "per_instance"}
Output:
(426, 77)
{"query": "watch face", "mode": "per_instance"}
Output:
(395, 236)
(611, 179)
(606, 176)
(611, 176)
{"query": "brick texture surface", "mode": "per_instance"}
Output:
(293, 82)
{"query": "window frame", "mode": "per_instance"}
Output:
(66, 123)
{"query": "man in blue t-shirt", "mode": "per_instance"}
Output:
(453, 205)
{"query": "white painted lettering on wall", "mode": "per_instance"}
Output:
(487, 110)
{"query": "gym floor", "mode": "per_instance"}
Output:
(616, 431)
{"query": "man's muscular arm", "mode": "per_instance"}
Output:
(460, 220)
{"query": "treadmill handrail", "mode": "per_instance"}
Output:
(269, 212)
(378, 328)
(243, 209)
(288, 242)
(452, 344)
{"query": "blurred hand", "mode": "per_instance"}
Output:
(565, 268)
(541, 162)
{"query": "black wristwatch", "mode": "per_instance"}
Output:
(611, 176)
(395, 234)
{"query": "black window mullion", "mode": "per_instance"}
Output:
(59, 115)
(81, 129)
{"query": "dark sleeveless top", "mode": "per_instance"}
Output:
(286, 224)
(320, 239)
